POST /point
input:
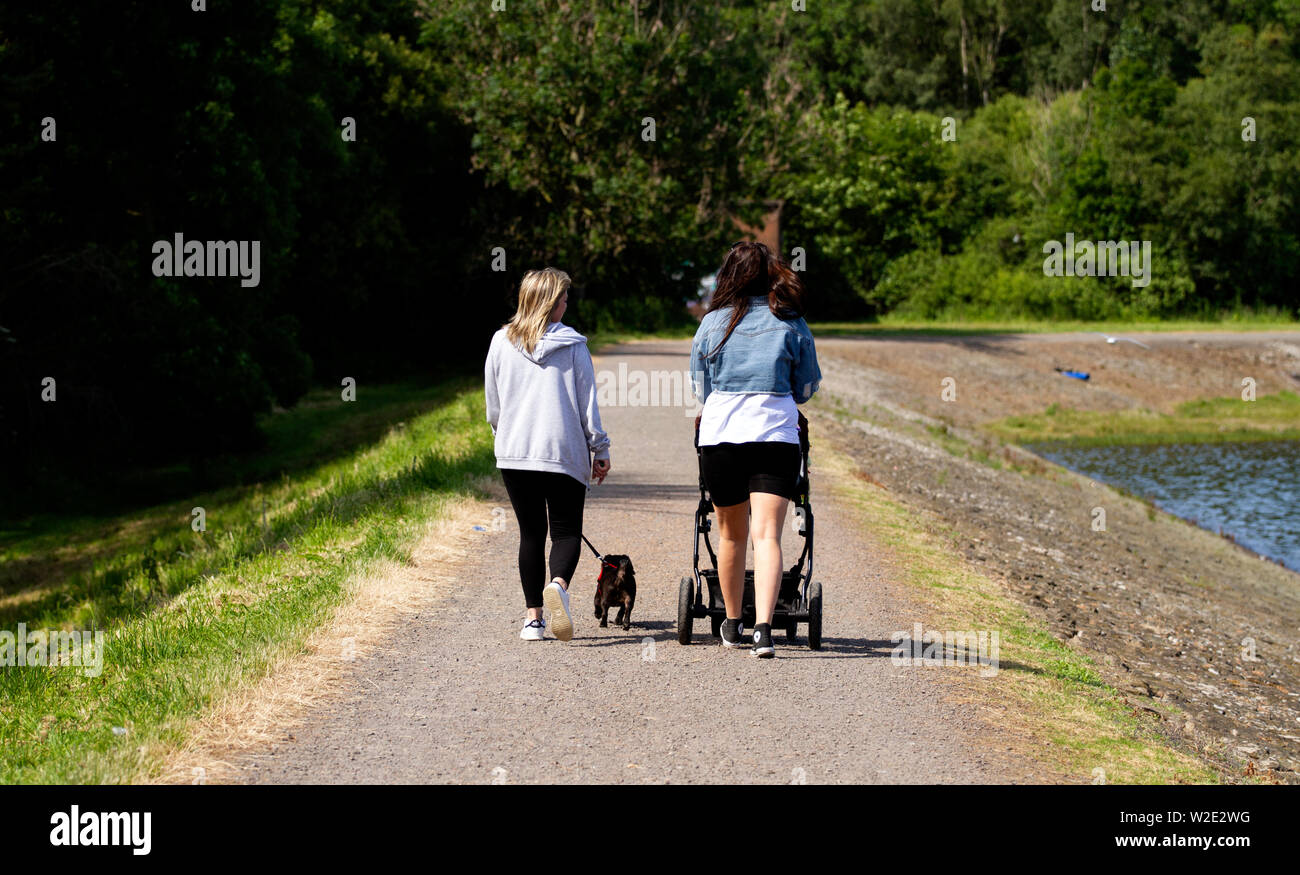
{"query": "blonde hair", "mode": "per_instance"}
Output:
(539, 292)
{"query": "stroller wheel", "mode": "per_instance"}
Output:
(815, 616)
(685, 601)
(792, 631)
(716, 622)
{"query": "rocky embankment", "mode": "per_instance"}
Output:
(1172, 614)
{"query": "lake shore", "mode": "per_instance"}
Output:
(1198, 633)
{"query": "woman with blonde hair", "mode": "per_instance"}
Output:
(541, 403)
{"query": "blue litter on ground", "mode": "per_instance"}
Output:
(1078, 375)
(478, 528)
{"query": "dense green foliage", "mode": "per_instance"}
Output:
(220, 125)
(558, 96)
(899, 218)
(524, 132)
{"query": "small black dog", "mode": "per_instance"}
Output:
(616, 586)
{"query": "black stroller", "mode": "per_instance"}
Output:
(800, 599)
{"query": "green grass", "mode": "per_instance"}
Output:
(891, 326)
(189, 615)
(888, 326)
(1269, 417)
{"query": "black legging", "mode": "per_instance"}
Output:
(534, 494)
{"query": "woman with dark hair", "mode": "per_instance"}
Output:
(752, 361)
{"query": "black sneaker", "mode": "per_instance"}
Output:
(763, 647)
(733, 633)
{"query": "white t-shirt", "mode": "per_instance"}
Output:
(747, 417)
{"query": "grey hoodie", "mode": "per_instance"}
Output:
(542, 405)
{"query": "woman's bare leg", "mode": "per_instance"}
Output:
(765, 527)
(733, 537)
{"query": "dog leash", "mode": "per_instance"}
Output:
(596, 553)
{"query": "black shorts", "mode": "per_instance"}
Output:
(732, 471)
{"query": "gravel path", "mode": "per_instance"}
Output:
(458, 698)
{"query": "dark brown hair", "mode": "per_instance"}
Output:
(752, 270)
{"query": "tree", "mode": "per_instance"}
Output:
(616, 136)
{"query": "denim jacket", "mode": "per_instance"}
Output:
(764, 354)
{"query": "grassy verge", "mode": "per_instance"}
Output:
(889, 326)
(1270, 417)
(1044, 691)
(893, 326)
(189, 615)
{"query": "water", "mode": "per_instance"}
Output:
(1250, 490)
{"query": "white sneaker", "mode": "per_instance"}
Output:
(534, 630)
(556, 599)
